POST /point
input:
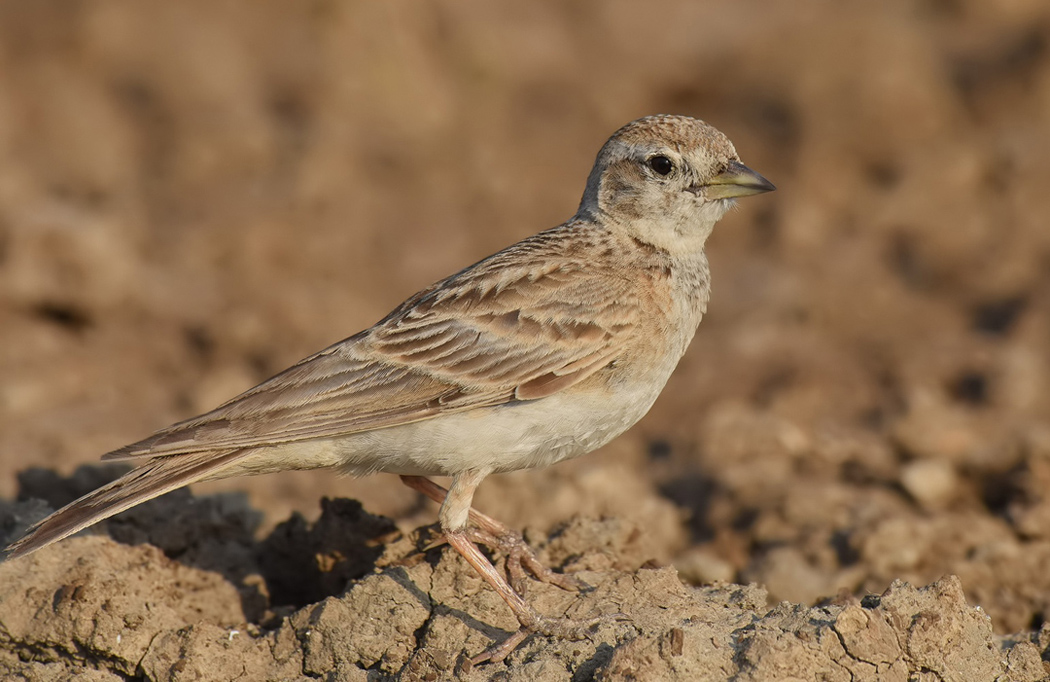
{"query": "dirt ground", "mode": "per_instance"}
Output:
(848, 477)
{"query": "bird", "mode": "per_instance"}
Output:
(541, 352)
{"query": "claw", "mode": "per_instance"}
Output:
(497, 652)
(559, 628)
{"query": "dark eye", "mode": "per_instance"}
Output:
(661, 164)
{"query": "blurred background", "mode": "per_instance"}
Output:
(194, 195)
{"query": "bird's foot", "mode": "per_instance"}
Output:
(557, 628)
(521, 559)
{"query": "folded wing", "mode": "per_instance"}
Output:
(520, 325)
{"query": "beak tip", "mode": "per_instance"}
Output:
(738, 181)
(751, 179)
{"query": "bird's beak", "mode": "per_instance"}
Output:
(737, 180)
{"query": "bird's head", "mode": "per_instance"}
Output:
(667, 180)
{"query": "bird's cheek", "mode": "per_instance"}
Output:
(631, 207)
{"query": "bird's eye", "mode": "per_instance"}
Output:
(661, 164)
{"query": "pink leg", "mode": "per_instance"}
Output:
(491, 533)
(455, 511)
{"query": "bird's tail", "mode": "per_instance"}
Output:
(152, 479)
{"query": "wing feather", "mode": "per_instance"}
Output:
(521, 325)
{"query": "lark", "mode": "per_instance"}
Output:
(539, 353)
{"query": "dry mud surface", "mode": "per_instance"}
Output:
(119, 611)
(848, 477)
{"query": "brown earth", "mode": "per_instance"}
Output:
(194, 195)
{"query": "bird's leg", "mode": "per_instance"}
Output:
(455, 511)
(487, 531)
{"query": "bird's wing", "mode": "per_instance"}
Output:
(523, 324)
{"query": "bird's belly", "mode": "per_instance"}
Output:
(505, 438)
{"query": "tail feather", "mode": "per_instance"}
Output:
(156, 477)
